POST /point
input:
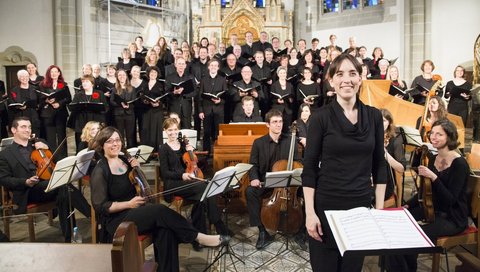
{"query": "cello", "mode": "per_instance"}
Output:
(283, 210)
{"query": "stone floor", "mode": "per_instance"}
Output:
(242, 245)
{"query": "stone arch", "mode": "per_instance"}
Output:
(15, 56)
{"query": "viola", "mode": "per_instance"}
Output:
(190, 159)
(139, 180)
(283, 210)
(425, 194)
(43, 160)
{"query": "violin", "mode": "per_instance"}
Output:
(425, 194)
(43, 160)
(190, 159)
(138, 179)
(283, 210)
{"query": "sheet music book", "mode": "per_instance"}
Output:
(141, 152)
(227, 177)
(19, 105)
(394, 90)
(156, 99)
(282, 178)
(369, 229)
(86, 106)
(281, 52)
(119, 100)
(214, 96)
(412, 137)
(53, 94)
(61, 174)
(279, 96)
(293, 77)
(187, 86)
(82, 163)
(247, 90)
(308, 97)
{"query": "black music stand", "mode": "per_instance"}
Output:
(67, 170)
(283, 179)
(223, 182)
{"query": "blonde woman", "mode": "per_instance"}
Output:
(89, 132)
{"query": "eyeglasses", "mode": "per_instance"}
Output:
(112, 141)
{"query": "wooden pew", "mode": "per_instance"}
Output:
(123, 255)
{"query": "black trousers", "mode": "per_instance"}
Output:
(210, 128)
(55, 132)
(168, 229)
(126, 125)
(60, 195)
(194, 193)
(254, 197)
(441, 227)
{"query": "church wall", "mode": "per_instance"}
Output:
(455, 26)
(29, 25)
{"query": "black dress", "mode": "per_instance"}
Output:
(349, 155)
(124, 119)
(167, 227)
(29, 96)
(286, 107)
(152, 131)
(310, 89)
(394, 148)
(458, 104)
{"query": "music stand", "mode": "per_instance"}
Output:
(222, 182)
(283, 179)
(67, 170)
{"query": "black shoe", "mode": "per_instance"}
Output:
(225, 240)
(263, 240)
(197, 246)
(300, 240)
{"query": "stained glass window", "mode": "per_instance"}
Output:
(330, 6)
(368, 3)
(350, 4)
(226, 3)
(259, 3)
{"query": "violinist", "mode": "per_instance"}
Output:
(173, 172)
(18, 174)
(114, 199)
(24, 93)
(448, 172)
(266, 150)
(436, 111)
(345, 138)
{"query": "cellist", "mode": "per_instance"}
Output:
(266, 150)
(18, 174)
(436, 110)
(172, 169)
(448, 172)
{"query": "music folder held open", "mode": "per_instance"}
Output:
(362, 230)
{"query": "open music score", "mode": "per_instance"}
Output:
(380, 229)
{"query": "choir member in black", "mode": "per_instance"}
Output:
(178, 101)
(77, 83)
(153, 116)
(275, 45)
(164, 56)
(170, 69)
(233, 41)
(293, 62)
(270, 61)
(362, 53)
(151, 59)
(458, 90)
(204, 42)
(322, 62)
(211, 108)
(115, 200)
(140, 108)
(394, 75)
(82, 116)
(353, 52)
(394, 152)
(126, 62)
(107, 86)
(124, 112)
(288, 45)
(34, 77)
(212, 50)
(436, 111)
(18, 174)
(199, 70)
(333, 45)
(248, 114)
(315, 49)
(237, 51)
(98, 78)
(53, 111)
(266, 150)
(352, 44)
(262, 44)
(282, 97)
(347, 137)
(302, 124)
(222, 53)
(307, 87)
(302, 47)
(373, 64)
(247, 48)
(246, 83)
(24, 93)
(3, 111)
(449, 174)
(382, 69)
(309, 62)
(365, 72)
(230, 68)
(141, 50)
(89, 132)
(172, 169)
(261, 73)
